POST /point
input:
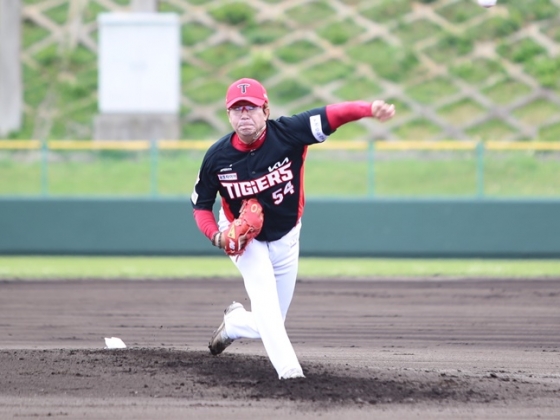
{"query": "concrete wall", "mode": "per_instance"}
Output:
(139, 92)
(387, 228)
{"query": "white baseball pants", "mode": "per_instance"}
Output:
(269, 271)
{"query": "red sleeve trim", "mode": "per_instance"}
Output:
(206, 222)
(345, 112)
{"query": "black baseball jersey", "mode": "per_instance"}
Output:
(273, 173)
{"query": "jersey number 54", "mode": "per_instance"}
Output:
(279, 194)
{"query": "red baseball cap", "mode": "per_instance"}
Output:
(246, 90)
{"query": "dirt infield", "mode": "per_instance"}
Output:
(458, 348)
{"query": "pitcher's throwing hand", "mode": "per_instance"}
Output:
(382, 110)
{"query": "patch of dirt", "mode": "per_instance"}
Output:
(197, 375)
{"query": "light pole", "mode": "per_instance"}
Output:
(11, 96)
(144, 5)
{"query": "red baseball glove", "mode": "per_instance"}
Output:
(243, 229)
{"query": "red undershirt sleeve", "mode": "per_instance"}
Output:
(345, 112)
(206, 222)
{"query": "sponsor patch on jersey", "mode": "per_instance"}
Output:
(317, 128)
(227, 177)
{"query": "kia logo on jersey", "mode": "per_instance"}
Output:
(278, 164)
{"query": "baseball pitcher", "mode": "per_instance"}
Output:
(258, 171)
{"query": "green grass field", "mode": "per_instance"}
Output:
(332, 174)
(192, 267)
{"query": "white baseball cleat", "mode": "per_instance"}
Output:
(293, 374)
(220, 341)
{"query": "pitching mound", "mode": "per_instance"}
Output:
(195, 375)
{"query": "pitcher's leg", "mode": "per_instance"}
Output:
(260, 283)
(241, 324)
(284, 255)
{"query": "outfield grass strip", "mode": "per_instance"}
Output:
(191, 267)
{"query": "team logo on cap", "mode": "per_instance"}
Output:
(243, 87)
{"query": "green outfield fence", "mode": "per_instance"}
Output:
(46, 168)
(496, 199)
